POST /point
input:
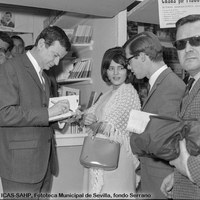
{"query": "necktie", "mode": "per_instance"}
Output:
(187, 89)
(188, 86)
(42, 80)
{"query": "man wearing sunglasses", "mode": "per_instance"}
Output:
(144, 54)
(184, 183)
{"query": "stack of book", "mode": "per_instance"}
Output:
(77, 70)
(69, 33)
(82, 34)
(74, 128)
(81, 69)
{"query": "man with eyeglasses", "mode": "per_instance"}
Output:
(5, 44)
(144, 54)
(184, 183)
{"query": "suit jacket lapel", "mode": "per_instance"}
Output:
(31, 71)
(189, 98)
(159, 80)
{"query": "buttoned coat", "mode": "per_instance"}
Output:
(164, 99)
(25, 134)
(183, 187)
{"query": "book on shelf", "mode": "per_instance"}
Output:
(81, 69)
(69, 33)
(74, 128)
(82, 34)
(67, 91)
(91, 99)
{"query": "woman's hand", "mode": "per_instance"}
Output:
(78, 113)
(89, 119)
(105, 128)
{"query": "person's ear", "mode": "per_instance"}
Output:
(41, 43)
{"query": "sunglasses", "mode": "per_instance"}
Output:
(193, 41)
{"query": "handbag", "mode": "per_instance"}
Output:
(100, 153)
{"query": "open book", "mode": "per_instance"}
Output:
(138, 121)
(73, 101)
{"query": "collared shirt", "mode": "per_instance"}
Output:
(35, 65)
(155, 75)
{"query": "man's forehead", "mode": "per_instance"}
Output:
(3, 44)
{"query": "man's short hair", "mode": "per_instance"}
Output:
(145, 42)
(53, 33)
(187, 19)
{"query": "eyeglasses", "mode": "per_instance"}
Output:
(129, 59)
(193, 41)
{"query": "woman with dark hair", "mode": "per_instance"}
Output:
(112, 110)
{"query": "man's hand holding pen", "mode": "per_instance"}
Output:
(58, 108)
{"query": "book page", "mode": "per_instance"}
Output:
(73, 101)
(138, 121)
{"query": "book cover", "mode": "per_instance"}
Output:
(91, 99)
(67, 91)
(73, 101)
(138, 121)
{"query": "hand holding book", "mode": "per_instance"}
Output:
(62, 107)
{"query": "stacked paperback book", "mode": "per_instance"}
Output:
(81, 34)
(77, 70)
(81, 69)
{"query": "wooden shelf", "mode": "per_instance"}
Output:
(67, 139)
(81, 46)
(75, 80)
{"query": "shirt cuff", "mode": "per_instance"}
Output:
(61, 125)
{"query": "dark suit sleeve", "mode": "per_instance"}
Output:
(20, 102)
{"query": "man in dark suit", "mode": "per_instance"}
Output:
(145, 56)
(27, 151)
(184, 183)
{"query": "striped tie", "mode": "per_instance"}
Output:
(187, 90)
(188, 86)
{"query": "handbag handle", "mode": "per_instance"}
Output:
(95, 127)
